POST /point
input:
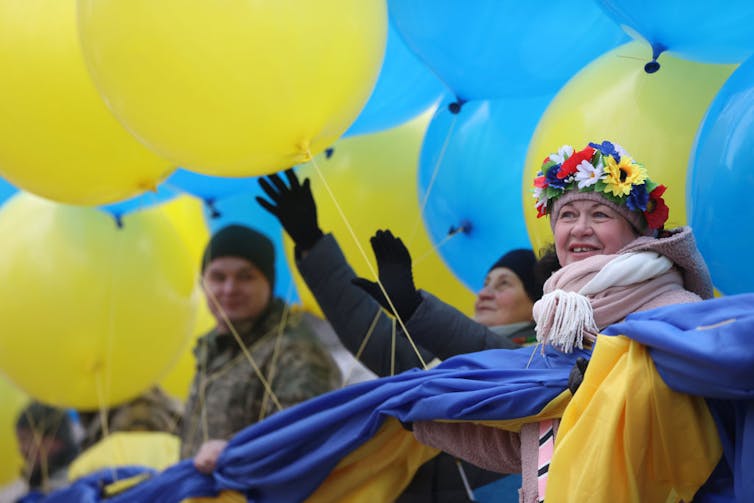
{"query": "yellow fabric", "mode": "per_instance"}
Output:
(143, 448)
(122, 485)
(223, 497)
(379, 470)
(627, 437)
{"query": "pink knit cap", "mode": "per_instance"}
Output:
(635, 218)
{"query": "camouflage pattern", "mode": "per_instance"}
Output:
(227, 395)
(153, 410)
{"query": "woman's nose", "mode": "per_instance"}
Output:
(582, 227)
(486, 292)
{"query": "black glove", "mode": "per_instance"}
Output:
(293, 206)
(394, 271)
(577, 374)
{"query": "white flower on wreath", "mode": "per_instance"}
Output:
(588, 174)
(562, 154)
(541, 197)
(621, 151)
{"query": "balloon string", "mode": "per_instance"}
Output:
(202, 385)
(392, 349)
(433, 178)
(103, 369)
(363, 344)
(364, 256)
(433, 250)
(243, 347)
(36, 447)
(276, 351)
(103, 413)
(37, 452)
(203, 370)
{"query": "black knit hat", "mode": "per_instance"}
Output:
(246, 243)
(521, 262)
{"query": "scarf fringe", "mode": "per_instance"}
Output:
(563, 320)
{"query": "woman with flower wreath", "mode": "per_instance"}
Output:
(616, 258)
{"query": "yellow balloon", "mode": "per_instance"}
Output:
(92, 314)
(12, 402)
(57, 137)
(373, 179)
(177, 382)
(653, 116)
(186, 214)
(238, 88)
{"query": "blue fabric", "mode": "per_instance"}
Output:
(174, 484)
(32, 497)
(287, 456)
(87, 489)
(503, 490)
(707, 349)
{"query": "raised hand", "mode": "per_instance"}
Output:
(394, 271)
(293, 205)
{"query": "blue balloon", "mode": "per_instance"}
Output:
(478, 156)
(698, 30)
(209, 188)
(148, 199)
(6, 190)
(484, 49)
(243, 209)
(721, 183)
(405, 88)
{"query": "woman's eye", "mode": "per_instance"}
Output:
(500, 285)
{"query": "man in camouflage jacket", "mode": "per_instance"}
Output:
(281, 363)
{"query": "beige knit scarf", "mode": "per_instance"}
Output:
(586, 296)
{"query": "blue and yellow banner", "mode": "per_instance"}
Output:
(639, 425)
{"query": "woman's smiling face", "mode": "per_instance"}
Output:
(584, 228)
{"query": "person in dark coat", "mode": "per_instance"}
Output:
(502, 317)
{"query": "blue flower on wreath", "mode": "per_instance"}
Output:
(607, 148)
(552, 177)
(638, 198)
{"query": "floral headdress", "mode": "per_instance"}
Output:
(607, 170)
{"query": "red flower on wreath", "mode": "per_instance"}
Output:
(657, 211)
(541, 209)
(570, 165)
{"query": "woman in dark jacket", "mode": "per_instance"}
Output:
(502, 317)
